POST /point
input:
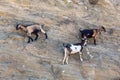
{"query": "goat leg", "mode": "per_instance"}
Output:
(80, 53)
(64, 59)
(46, 35)
(65, 55)
(44, 32)
(29, 38)
(94, 41)
(67, 59)
(36, 36)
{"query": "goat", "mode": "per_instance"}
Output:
(32, 29)
(92, 33)
(74, 48)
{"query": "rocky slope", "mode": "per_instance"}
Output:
(42, 60)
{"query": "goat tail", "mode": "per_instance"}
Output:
(66, 45)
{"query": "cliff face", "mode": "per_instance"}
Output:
(42, 59)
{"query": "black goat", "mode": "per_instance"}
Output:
(92, 33)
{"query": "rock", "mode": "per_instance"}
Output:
(42, 59)
(16, 37)
(3, 36)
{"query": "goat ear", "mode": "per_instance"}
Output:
(17, 27)
(103, 28)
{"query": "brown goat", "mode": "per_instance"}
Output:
(32, 29)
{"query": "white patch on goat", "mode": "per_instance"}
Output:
(75, 49)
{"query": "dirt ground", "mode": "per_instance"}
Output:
(42, 59)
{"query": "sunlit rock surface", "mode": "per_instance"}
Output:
(42, 59)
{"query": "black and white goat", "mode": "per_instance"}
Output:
(74, 48)
(32, 29)
(92, 33)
